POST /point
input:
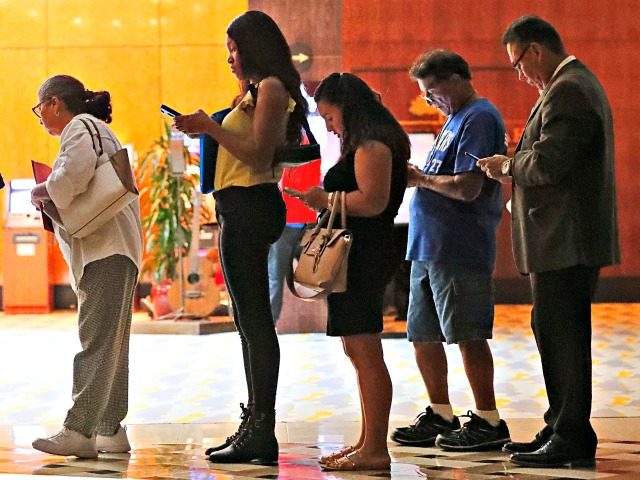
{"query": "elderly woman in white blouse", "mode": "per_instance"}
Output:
(104, 270)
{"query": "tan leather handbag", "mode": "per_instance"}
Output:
(320, 268)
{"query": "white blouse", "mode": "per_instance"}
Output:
(70, 176)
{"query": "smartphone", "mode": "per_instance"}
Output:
(169, 111)
(292, 192)
(472, 155)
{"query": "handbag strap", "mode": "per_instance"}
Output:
(294, 291)
(91, 134)
(343, 209)
(338, 198)
(307, 129)
(330, 213)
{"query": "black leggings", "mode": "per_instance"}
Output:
(250, 220)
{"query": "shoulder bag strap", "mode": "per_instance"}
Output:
(91, 134)
(307, 129)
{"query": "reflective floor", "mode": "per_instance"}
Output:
(176, 451)
(185, 392)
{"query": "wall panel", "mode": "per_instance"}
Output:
(182, 66)
(23, 24)
(316, 24)
(381, 39)
(91, 22)
(197, 23)
(144, 52)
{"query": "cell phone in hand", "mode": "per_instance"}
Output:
(292, 192)
(169, 111)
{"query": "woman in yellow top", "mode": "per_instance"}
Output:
(251, 212)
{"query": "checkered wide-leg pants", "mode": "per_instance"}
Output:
(101, 369)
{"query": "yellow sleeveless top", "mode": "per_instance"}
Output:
(232, 172)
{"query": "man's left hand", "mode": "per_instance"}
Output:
(492, 168)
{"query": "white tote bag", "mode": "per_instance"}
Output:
(111, 189)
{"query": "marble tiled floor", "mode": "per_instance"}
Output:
(176, 452)
(185, 392)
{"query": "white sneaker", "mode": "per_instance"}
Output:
(68, 443)
(116, 443)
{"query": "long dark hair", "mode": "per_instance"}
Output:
(77, 99)
(264, 52)
(363, 114)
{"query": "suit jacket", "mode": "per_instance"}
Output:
(563, 203)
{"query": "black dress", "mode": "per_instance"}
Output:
(372, 261)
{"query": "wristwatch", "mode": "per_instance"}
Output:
(506, 167)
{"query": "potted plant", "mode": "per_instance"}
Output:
(166, 210)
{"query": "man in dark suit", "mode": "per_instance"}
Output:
(564, 229)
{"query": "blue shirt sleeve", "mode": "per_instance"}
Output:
(480, 135)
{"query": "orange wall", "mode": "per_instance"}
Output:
(144, 52)
(381, 38)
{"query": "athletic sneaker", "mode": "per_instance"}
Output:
(424, 432)
(68, 443)
(475, 435)
(116, 443)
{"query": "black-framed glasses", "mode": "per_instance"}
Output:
(428, 97)
(37, 110)
(517, 62)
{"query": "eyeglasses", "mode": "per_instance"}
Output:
(37, 110)
(428, 97)
(517, 62)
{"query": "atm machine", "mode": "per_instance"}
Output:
(26, 254)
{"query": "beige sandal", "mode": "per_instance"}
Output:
(332, 457)
(349, 463)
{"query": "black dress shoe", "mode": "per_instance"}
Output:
(555, 453)
(542, 437)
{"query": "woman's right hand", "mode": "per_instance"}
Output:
(315, 198)
(194, 123)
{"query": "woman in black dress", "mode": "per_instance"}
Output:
(373, 171)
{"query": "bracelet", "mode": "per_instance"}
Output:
(330, 199)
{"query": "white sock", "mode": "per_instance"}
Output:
(444, 410)
(491, 416)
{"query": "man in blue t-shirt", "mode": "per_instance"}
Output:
(454, 215)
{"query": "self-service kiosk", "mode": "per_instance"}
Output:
(27, 248)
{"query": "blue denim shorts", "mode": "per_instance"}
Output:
(449, 302)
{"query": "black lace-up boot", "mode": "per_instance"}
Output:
(244, 417)
(257, 443)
